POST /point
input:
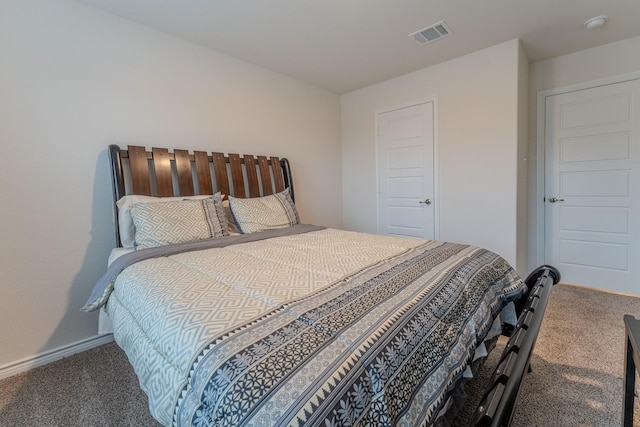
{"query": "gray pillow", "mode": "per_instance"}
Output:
(264, 213)
(159, 224)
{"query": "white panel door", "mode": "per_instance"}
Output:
(406, 171)
(592, 186)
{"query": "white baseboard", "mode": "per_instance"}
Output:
(53, 355)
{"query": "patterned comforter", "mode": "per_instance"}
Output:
(324, 327)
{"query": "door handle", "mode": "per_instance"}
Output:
(555, 199)
(425, 201)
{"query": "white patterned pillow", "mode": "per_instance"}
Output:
(264, 213)
(125, 221)
(158, 224)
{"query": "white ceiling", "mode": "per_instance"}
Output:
(343, 45)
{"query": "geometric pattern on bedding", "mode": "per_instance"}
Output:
(360, 382)
(171, 306)
(159, 224)
(166, 310)
(264, 213)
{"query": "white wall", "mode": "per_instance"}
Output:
(605, 61)
(477, 137)
(73, 80)
(522, 164)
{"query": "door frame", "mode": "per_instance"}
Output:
(541, 146)
(436, 172)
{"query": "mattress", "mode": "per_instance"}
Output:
(305, 325)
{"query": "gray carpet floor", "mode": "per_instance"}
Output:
(576, 380)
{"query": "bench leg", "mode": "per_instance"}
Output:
(629, 386)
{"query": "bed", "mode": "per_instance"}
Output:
(233, 312)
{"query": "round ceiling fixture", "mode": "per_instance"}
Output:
(595, 22)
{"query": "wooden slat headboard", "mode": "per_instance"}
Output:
(163, 173)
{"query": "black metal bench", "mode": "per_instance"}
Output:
(631, 364)
(498, 403)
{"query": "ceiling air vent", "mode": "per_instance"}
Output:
(431, 33)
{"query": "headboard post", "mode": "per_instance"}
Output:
(288, 180)
(117, 181)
